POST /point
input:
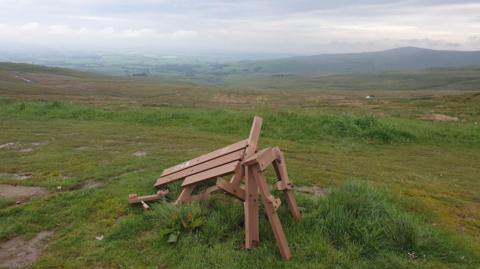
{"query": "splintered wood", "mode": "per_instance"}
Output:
(245, 164)
(135, 199)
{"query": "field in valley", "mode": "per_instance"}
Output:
(397, 190)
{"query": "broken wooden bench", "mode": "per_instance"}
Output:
(245, 164)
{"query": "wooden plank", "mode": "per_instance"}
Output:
(145, 206)
(229, 188)
(134, 198)
(204, 195)
(292, 204)
(237, 178)
(212, 155)
(252, 143)
(254, 136)
(268, 202)
(185, 195)
(264, 158)
(284, 183)
(230, 157)
(252, 158)
(252, 237)
(211, 173)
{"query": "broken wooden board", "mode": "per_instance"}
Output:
(135, 199)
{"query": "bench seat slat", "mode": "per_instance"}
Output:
(230, 157)
(211, 173)
(204, 158)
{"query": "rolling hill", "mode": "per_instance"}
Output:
(214, 70)
(398, 59)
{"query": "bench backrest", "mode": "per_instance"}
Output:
(217, 163)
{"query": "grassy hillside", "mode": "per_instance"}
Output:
(399, 59)
(400, 192)
(462, 79)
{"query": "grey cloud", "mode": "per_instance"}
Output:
(294, 27)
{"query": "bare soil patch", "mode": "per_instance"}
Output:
(313, 190)
(438, 117)
(229, 99)
(8, 145)
(21, 193)
(139, 153)
(87, 184)
(22, 147)
(19, 252)
(18, 176)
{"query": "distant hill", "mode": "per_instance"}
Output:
(9, 67)
(399, 59)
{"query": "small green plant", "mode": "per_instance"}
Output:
(178, 220)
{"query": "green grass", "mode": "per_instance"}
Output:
(413, 204)
(354, 227)
(304, 127)
(415, 193)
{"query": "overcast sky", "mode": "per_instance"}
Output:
(275, 27)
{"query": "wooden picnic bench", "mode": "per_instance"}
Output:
(245, 164)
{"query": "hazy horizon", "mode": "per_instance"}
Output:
(276, 28)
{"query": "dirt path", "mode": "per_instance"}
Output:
(21, 193)
(18, 252)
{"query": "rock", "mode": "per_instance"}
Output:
(313, 190)
(139, 153)
(438, 117)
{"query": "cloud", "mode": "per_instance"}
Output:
(185, 34)
(59, 29)
(137, 33)
(30, 26)
(281, 26)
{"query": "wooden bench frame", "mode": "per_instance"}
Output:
(246, 165)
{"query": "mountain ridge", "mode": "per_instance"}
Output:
(396, 59)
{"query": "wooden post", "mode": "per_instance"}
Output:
(270, 207)
(252, 237)
(252, 143)
(185, 195)
(281, 170)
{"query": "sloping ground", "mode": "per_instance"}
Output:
(428, 217)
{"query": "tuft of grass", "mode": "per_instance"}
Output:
(356, 215)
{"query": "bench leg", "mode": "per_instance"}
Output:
(284, 184)
(204, 195)
(271, 204)
(186, 195)
(252, 237)
(233, 187)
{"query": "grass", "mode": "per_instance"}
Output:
(356, 226)
(301, 127)
(402, 193)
